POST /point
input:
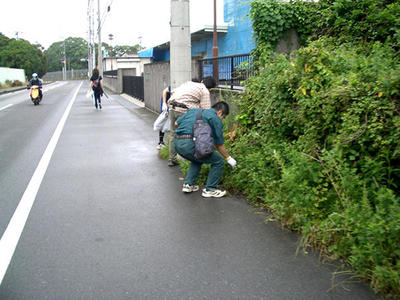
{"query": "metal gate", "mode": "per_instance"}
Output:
(133, 86)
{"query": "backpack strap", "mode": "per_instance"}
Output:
(198, 117)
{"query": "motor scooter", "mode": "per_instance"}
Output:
(35, 95)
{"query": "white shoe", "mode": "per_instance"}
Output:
(160, 145)
(213, 193)
(186, 188)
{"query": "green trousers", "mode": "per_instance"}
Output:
(173, 116)
(185, 148)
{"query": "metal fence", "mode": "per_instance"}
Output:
(232, 70)
(111, 73)
(71, 75)
(133, 86)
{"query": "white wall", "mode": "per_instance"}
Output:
(11, 74)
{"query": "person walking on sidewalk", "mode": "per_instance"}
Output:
(184, 146)
(96, 84)
(164, 107)
(187, 96)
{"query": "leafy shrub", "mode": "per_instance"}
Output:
(318, 145)
(362, 20)
(17, 83)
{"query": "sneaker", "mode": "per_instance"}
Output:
(172, 162)
(100, 105)
(187, 188)
(213, 193)
(160, 145)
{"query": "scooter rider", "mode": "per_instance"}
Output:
(36, 81)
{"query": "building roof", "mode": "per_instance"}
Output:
(204, 33)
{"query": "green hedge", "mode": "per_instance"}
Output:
(318, 145)
(318, 137)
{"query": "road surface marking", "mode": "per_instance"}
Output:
(13, 232)
(7, 106)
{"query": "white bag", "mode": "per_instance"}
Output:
(89, 94)
(167, 126)
(160, 121)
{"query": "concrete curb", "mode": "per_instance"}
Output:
(10, 90)
(18, 88)
(133, 100)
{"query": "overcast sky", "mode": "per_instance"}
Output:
(48, 21)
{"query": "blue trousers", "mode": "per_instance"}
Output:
(185, 148)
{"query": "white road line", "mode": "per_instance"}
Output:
(13, 232)
(7, 106)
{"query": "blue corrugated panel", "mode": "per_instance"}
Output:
(146, 53)
(239, 39)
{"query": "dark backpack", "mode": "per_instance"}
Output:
(203, 138)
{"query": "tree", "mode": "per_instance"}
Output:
(75, 53)
(22, 55)
(3, 41)
(121, 50)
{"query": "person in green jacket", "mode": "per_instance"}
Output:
(184, 145)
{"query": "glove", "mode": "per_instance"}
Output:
(231, 161)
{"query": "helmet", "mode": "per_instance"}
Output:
(34, 75)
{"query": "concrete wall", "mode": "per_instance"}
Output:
(115, 83)
(129, 72)
(156, 79)
(112, 83)
(109, 63)
(131, 63)
(289, 42)
(11, 74)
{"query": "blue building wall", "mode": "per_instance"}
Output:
(238, 40)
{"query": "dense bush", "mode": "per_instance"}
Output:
(318, 144)
(9, 83)
(318, 137)
(347, 20)
(318, 140)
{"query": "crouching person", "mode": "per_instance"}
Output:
(184, 145)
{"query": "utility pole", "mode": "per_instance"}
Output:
(91, 56)
(100, 55)
(215, 46)
(180, 48)
(64, 65)
(111, 37)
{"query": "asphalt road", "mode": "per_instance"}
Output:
(109, 220)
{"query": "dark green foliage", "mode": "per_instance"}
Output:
(75, 52)
(3, 41)
(22, 55)
(318, 144)
(347, 20)
(318, 140)
(368, 20)
(119, 51)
